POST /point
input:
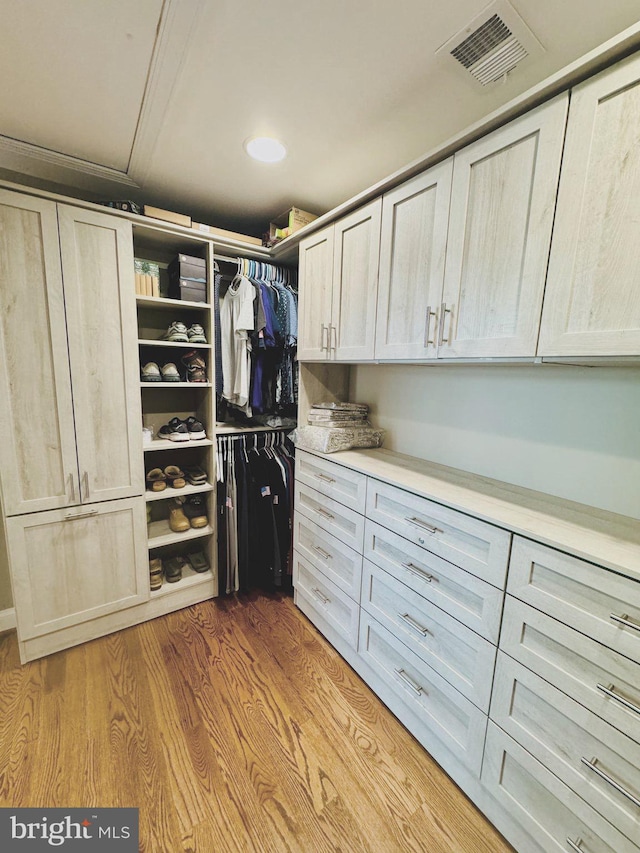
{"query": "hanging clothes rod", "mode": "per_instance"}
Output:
(225, 258)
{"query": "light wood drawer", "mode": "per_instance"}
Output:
(603, 680)
(465, 596)
(333, 558)
(565, 736)
(345, 524)
(476, 546)
(441, 710)
(456, 652)
(595, 601)
(549, 812)
(337, 482)
(316, 596)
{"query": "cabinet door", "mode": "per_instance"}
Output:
(69, 566)
(592, 300)
(502, 205)
(38, 465)
(413, 241)
(314, 309)
(355, 283)
(97, 263)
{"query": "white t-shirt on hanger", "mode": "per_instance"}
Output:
(236, 321)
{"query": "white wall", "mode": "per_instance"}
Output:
(568, 431)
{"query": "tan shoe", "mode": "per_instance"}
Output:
(178, 521)
(155, 573)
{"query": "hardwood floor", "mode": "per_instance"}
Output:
(233, 726)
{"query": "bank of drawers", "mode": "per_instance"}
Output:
(428, 626)
(567, 680)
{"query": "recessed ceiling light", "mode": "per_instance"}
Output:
(266, 149)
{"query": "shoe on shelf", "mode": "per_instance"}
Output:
(196, 366)
(156, 480)
(195, 509)
(170, 373)
(199, 562)
(195, 475)
(175, 477)
(178, 521)
(155, 573)
(195, 428)
(177, 332)
(150, 372)
(173, 569)
(175, 430)
(196, 334)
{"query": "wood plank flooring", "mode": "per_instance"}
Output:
(233, 726)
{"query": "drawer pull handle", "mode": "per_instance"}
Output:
(324, 554)
(402, 675)
(324, 328)
(318, 594)
(592, 766)
(423, 524)
(416, 571)
(72, 517)
(609, 691)
(413, 624)
(624, 620)
(325, 478)
(325, 514)
(575, 845)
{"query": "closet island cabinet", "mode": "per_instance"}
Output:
(339, 268)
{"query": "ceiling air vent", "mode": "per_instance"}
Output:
(491, 45)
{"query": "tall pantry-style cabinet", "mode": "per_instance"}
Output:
(71, 457)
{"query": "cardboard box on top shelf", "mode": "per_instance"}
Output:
(222, 232)
(167, 216)
(289, 222)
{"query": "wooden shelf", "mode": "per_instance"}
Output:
(170, 492)
(176, 385)
(159, 534)
(166, 444)
(163, 302)
(189, 578)
(160, 343)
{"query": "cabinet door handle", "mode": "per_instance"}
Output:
(411, 622)
(609, 691)
(85, 490)
(325, 514)
(72, 517)
(623, 619)
(323, 345)
(417, 688)
(325, 478)
(333, 334)
(324, 554)
(319, 595)
(416, 571)
(443, 315)
(72, 488)
(592, 766)
(575, 845)
(423, 524)
(430, 314)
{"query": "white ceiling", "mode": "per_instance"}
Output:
(153, 99)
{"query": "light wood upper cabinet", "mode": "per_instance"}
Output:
(355, 283)
(413, 242)
(316, 287)
(97, 265)
(338, 284)
(69, 368)
(592, 301)
(502, 205)
(38, 467)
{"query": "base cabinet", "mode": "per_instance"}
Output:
(75, 565)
